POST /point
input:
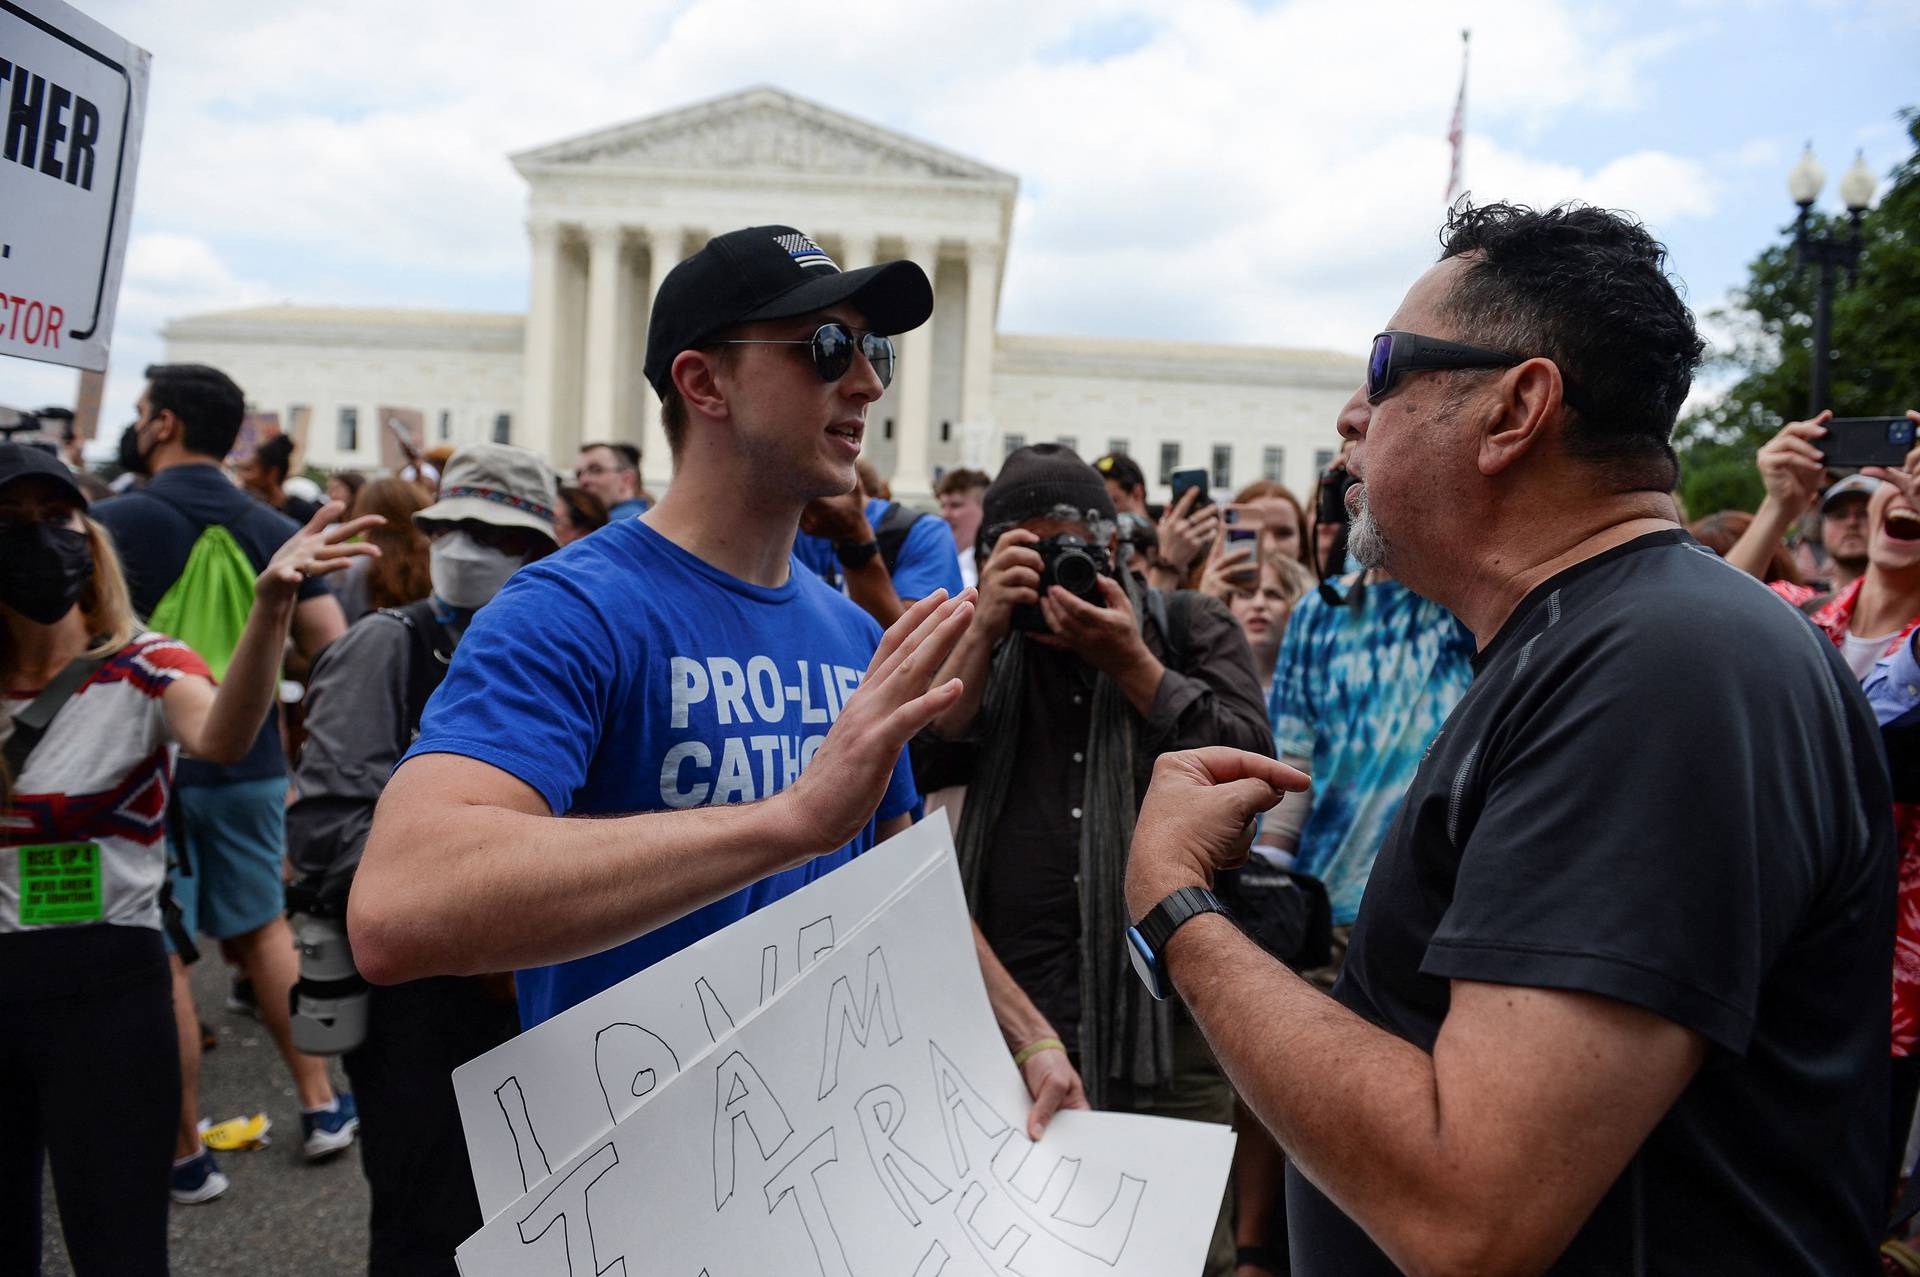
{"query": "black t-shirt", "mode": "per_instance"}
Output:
(1663, 787)
(154, 529)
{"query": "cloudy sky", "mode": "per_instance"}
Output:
(1216, 170)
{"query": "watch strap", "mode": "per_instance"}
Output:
(853, 554)
(1170, 914)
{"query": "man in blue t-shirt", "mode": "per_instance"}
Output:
(882, 555)
(736, 726)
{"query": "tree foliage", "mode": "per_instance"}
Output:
(1876, 343)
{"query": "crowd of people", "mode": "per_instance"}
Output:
(1518, 872)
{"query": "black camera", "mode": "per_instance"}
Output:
(1071, 564)
(1334, 485)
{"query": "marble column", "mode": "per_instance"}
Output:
(542, 358)
(976, 369)
(856, 250)
(665, 245)
(606, 347)
(911, 474)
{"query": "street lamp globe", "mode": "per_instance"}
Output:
(1858, 184)
(1807, 178)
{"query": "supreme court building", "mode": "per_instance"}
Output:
(610, 212)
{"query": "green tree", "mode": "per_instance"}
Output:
(1876, 340)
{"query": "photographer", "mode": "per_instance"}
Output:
(364, 704)
(1067, 697)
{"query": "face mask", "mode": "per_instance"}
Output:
(467, 574)
(43, 569)
(130, 458)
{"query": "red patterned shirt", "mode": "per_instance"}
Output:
(100, 776)
(1834, 617)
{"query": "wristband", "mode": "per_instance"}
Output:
(853, 554)
(1034, 1048)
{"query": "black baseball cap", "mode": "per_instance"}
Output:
(18, 460)
(772, 272)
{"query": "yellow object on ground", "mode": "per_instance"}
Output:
(237, 1133)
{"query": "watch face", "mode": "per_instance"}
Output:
(1144, 965)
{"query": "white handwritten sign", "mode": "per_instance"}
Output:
(868, 1120)
(531, 1103)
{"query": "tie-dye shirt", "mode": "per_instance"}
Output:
(1361, 692)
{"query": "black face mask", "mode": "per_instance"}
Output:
(43, 569)
(130, 458)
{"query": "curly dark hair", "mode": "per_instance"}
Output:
(1587, 288)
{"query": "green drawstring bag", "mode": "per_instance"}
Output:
(206, 608)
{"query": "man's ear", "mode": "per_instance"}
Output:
(168, 428)
(695, 376)
(1529, 408)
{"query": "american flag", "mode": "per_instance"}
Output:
(1457, 131)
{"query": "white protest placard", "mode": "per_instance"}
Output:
(531, 1103)
(75, 97)
(869, 1122)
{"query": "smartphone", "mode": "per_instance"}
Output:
(1852, 442)
(1243, 523)
(1184, 479)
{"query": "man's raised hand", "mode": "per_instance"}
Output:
(840, 789)
(1194, 818)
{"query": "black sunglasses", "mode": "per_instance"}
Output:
(1397, 353)
(832, 346)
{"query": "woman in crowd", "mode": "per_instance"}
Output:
(1722, 530)
(398, 575)
(344, 485)
(1258, 1166)
(86, 1012)
(578, 513)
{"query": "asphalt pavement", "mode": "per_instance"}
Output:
(283, 1215)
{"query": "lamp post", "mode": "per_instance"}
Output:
(1831, 252)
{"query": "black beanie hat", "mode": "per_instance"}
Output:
(1036, 479)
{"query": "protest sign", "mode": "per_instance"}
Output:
(76, 97)
(532, 1103)
(868, 1120)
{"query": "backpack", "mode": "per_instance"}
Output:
(891, 532)
(323, 869)
(206, 607)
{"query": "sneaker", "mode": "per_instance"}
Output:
(198, 1179)
(240, 999)
(330, 1130)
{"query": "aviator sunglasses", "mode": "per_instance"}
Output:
(1396, 353)
(832, 346)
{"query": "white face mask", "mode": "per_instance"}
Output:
(467, 574)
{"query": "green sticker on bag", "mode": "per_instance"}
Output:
(59, 883)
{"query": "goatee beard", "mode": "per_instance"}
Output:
(1364, 541)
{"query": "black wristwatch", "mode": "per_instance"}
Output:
(1147, 942)
(853, 554)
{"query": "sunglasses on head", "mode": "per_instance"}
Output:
(1397, 353)
(832, 346)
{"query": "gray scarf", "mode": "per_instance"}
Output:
(1124, 1034)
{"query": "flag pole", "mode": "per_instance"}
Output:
(1457, 131)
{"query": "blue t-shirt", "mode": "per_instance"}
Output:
(926, 562)
(624, 674)
(1360, 691)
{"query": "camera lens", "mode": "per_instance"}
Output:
(1077, 573)
(1900, 432)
